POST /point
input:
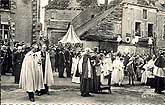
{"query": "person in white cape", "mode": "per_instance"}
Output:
(117, 71)
(47, 72)
(31, 78)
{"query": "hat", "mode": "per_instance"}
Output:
(19, 48)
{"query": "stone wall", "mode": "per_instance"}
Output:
(24, 21)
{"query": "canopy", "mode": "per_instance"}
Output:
(70, 37)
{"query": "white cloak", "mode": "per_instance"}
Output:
(31, 78)
(48, 76)
(118, 71)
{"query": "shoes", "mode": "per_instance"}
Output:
(86, 95)
(32, 99)
(39, 94)
(159, 92)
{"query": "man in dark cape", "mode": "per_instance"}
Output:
(86, 74)
(159, 72)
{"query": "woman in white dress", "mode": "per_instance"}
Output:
(106, 69)
(117, 71)
(75, 71)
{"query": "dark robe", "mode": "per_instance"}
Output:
(9, 60)
(68, 62)
(85, 81)
(4, 62)
(160, 80)
(61, 61)
(18, 59)
(96, 78)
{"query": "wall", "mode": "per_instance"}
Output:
(161, 30)
(90, 44)
(57, 23)
(132, 14)
(132, 49)
(24, 21)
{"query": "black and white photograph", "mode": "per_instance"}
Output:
(82, 52)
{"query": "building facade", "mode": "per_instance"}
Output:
(7, 21)
(145, 22)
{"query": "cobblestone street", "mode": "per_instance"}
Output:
(65, 92)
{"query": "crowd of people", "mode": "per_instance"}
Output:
(33, 68)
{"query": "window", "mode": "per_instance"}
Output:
(144, 14)
(4, 31)
(150, 30)
(164, 33)
(92, 16)
(137, 29)
(5, 4)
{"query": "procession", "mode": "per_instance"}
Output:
(82, 51)
(33, 70)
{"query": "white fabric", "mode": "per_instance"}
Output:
(31, 78)
(80, 64)
(48, 69)
(118, 71)
(74, 69)
(89, 69)
(160, 72)
(144, 75)
(70, 37)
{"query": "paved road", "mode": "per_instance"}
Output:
(120, 95)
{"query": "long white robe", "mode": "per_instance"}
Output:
(118, 71)
(74, 69)
(105, 68)
(31, 78)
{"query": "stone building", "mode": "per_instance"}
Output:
(145, 21)
(7, 21)
(128, 18)
(57, 19)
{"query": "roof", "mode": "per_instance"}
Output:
(70, 37)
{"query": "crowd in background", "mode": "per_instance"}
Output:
(136, 67)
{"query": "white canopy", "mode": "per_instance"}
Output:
(70, 37)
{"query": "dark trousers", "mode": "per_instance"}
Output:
(30, 94)
(159, 84)
(61, 70)
(46, 90)
(131, 78)
(4, 69)
(17, 72)
(85, 86)
(68, 70)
